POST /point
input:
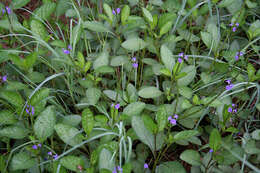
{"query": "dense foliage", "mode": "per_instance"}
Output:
(129, 86)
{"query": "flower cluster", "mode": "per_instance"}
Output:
(117, 106)
(8, 10)
(118, 168)
(30, 110)
(35, 147)
(181, 55)
(55, 157)
(235, 27)
(230, 85)
(173, 121)
(66, 51)
(238, 54)
(4, 78)
(135, 64)
(232, 109)
(117, 11)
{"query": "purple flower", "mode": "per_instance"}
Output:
(34, 147)
(135, 65)
(179, 60)
(210, 150)
(134, 59)
(65, 51)
(112, 105)
(118, 10)
(234, 29)
(8, 10)
(241, 53)
(235, 111)
(146, 166)
(228, 81)
(69, 47)
(230, 110)
(117, 106)
(114, 171)
(32, 112)
(169, 118)
(233, 105)
(83, 78)
(237, 24)
(55, 157)
(229, 87)
(186, 57)
(50, 153)
(181, 54)
(114, 13)
(173, 121)
(176, 116)
(3, 10)
(231, 24)
(4, 78)
(119, 169)
(236, 57)
(40, 145)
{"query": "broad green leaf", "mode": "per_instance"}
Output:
(149, 92)
(72, 120)
(95, 26)
(14, 132)
(72, 162)
(113, 95)
(7, 117)
(134, 109)
(206, 38)
(101, 60)
(188, 36)
(93, 95)
(167, 57)
(15, 85)
(226, 3)
(134, 44)
(166, 72)
(168, 167)
(215, 140)
(191, 73)
(38, 100)
(87, 121)
(149, 123)
(21, 161)
(19, 3)
(62, 6)
(108, 11)
(44, 124)
(36, 77)
(70, 135)
(105, 69)
(251, 72)
(191, 156)
(143, 134)
(5, 24)
(38, 29)
(256, 134)
(45, 10)
(161, 118)
(30, 60)
(119, 61)
(185, 135)
(125, 14)
(147, 15)
(156, 2)
(165, 28)
(165, 18)
(105, 160)
(12, 97)
(185, 91)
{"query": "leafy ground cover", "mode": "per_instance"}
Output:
(130, 86)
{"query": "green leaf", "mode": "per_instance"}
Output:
(72, 162)
(149, 123)
(251, 72)
(14, 85)
(19, 3)
(72, 120)
(206, 38)
(187, 79)
(21, 161)
(70, 135)
(38, 100)
(93, 95)
(215, 140)
(105, 160)
(185, 135)
(95, 26)
(108, 11)
(30, 60)
(7, 117)
(105, 69)
(161, 118)
(191, 156)
(125, 14)
(256, 134)
(167, 57)
(38, 29)
(147, 15)
(119, 60)
(188, 36)
(165, 28)
(168, 167)
(166, 72)
(45, 10)
(166, 18)
(16, 26)
(14, 132)
(149, 92)
(44, 124)
(101, 60)
(225, 3)
(143, 134)
(87, 121)
(134, 109)
(185, 91)
(134, 44)
(12, 97)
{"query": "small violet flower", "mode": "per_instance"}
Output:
(112, 105)
(117, 106)
(133, 59)
(3, 11)
(228, 81)
(176, 116)
(235, 111)
(65, 51)
(119, 169)
(40, 145)
(181, 54)
(186, 57)
(237, 24)
(233, 105)
(4, 78)
(146, 166)
(173, 121)
(135, 65)
(114, 171)
(179, 60)
(118, 10)
(234, 29)
(211, 150)
(69, 47)
(50, 153)
(169, 118)
(8, 10)
(34, 147)
(113, 11)
(30, 110)
(230, 110)
(55, 157)
(238, 54)
(229, 87)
